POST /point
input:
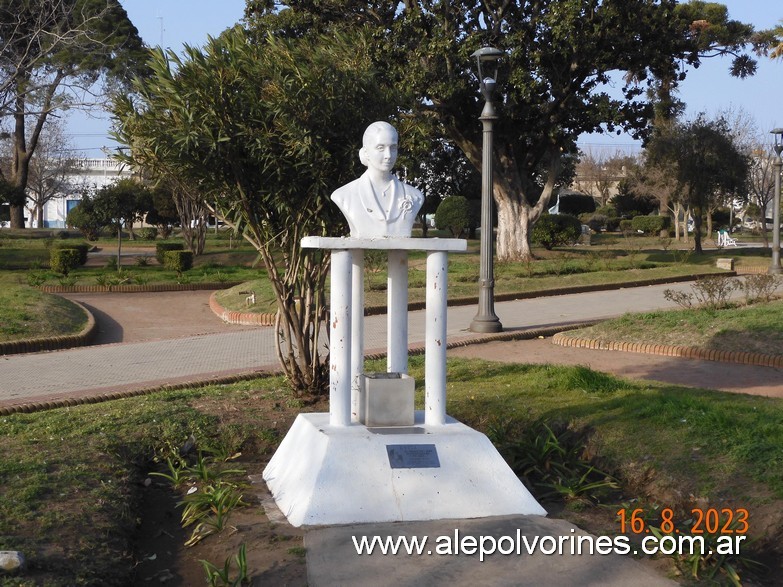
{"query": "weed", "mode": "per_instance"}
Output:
(209, 509)
(67, 280)
(141, 261)
(222, 577)
(177, 474)
(36, 278)
(551, 458)
(707, 561)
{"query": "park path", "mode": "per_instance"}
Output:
(164, 339)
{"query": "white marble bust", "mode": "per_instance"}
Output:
(378, 204)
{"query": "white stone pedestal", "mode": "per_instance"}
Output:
(325, 474)
(330, 469)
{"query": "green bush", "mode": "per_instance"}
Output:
(576, 204)
(613, 223)
(597, 221)
(83, 249)
(650, 225)
(553, 230)
(179, 261)
(147, 234)
(64, 260)
(162, 248)
(626, 225)
(86, 219)
(453, 214)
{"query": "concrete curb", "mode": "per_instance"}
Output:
(52, 343)
(103, 397)
(742, 357)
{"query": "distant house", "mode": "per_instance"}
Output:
(88, 174)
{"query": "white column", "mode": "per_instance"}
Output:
(357, 329)
(340, 339)
(435, 339)
(397, 313)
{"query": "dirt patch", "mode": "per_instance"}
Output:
(275, 549)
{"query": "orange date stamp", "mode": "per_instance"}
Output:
(703, 521)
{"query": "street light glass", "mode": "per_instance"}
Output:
(778, 132)
(487, 60)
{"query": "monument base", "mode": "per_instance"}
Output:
(326, 475)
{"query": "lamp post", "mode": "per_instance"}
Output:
(774, 267)
(486, 320)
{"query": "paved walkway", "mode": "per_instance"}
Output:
(213, 350)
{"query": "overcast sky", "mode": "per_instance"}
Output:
(710, 89)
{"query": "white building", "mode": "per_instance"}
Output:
(89, 174)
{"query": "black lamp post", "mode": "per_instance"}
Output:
(486, 320)
(774, 267)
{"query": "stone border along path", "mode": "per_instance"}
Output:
(742, 357)
(52, 343)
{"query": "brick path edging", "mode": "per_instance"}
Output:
(52, 343)
(742, 357)
(240, 318)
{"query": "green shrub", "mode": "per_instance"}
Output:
(162, 248)
(613, 223)
(147, 234)
(576, 204)
(650, 225)
(63, 260)
(453, 214)
(553, 230)
(83, 249)
(597, 221)
(626, 225)
(179, 261)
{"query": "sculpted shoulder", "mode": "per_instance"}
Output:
(344, 193)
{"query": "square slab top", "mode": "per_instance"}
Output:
(391, 243)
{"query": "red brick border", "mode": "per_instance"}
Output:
(746, 358)
(52, 343)
(240, 318)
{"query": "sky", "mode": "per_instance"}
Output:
(709, 89)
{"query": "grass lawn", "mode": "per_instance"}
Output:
(74, 496)
(756, 328)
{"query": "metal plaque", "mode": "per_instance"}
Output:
(413, 456)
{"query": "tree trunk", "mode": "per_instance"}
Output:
(515, 214)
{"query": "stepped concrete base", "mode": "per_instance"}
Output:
(326, 475)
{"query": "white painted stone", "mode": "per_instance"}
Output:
(11, 562)
(386, 399)
(324, 474)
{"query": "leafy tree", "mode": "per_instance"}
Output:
(122, 202)
(707, 164)
(163, 212)
(559, 56)
(267, 130)
(440, 170)
(86, 219)
(453, 214)
(52, 52)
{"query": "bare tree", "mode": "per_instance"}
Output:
(53, 53)
(761, 183)
(598, 175)
(52, 171)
